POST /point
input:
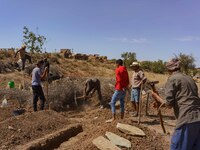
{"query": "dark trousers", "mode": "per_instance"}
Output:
(24, 60)
(38, 93)
(91, 89)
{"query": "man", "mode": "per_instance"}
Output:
(122, 82)
(182, 94)
(138, 79)
(23, 56)
(91, 86)
(37, 77)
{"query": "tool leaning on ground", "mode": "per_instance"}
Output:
(157, 102)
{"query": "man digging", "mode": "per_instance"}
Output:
(91, 86)
(181, 94)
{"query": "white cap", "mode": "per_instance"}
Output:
(134, 64)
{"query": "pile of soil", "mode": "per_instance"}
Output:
(22, 129)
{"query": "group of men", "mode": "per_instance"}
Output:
(181, 94)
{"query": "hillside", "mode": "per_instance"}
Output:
(62, 104)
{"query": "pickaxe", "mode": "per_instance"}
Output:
(157, 99)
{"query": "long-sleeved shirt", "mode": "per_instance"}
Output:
(122, 79)
(182, 94)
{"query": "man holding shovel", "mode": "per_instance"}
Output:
(137, 81)
(91, 86)
(181, 94)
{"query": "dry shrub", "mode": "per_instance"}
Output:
(54, 59)
(62, 93)
(23, 97)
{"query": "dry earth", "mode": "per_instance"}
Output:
(19, 130)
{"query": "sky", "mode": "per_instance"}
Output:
(153, 29)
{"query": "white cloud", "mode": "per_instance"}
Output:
(127, 40)
(188, 38)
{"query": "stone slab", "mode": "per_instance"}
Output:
(131, 130)
(117, 140)
(104, 144)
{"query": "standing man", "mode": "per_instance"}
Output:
(37, 77)
(91, 86)
(23, 55)
(182, 95)
(122, 82)
(138, 79)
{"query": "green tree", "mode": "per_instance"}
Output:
(34, 42)
(128, 58)
(158, 67)
(187, 63)
(146, 65)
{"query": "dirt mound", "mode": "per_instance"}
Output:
(94, 125)
(22, 129)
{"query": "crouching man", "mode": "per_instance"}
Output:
(91, 86)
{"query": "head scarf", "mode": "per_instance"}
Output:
(173, 64)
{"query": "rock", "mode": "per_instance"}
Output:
(128, 129)
(117, 140)
(10, 128)
(104, 144)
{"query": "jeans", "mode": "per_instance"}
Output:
(38, 92)
(118, 95)
(186, 137)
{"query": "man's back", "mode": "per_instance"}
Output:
(182, 93)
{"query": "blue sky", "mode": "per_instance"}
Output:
(153, 29)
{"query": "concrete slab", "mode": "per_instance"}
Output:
(131, 130)
(104, 144)
(117, 140)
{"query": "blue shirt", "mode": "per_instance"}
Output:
(36, 76)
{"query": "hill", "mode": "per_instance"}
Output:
(61, 101)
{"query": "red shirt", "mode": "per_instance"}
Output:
(122, 79)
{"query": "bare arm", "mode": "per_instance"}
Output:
(44, 73)
(16, 53)
(160, 100)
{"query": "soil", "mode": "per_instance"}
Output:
(18, 130)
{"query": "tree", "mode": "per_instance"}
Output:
(128, 58)
(34, 42)
(187, 63)
(158, 67)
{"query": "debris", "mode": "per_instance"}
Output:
(10, 128)
(132, 130)
(4, 103)
(117, 140)
(104, 144)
